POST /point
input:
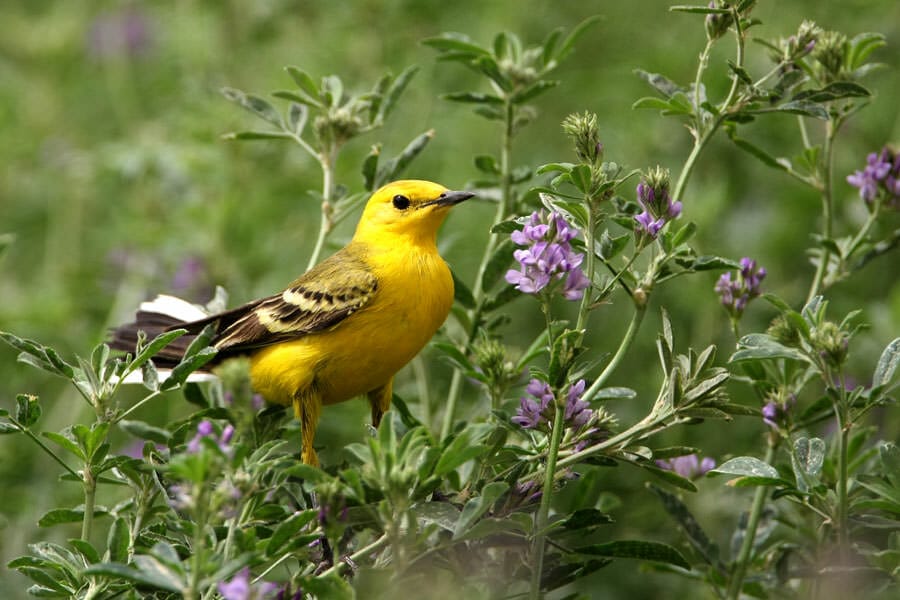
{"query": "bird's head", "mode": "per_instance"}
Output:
(409, 208)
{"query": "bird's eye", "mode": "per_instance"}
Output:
(401, 202)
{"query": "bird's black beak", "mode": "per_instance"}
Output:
(449, 198)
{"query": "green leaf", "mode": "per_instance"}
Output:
(653, 103)
(689, 525)
(887, 364)
(569, 43)
(370, 167)
(442, 514)
(118, 540)
(535, 89)
(145, 431)
(254, 104)
(86, 549)
(332, 587)
(393, 167)
(487, 164)
(615, 393)
(256, 135)
(807, 459)
(833, 91)
(288, 529)
(747, 466)
(66, 442)
(58, 516)
(660, 83)
(187, 366)
(473, 98)
(861, 46)
(801, 107)
(157, 344)
(889, 453)
(757, 152)
(641, 550)
(28, 410)
(477, 506)
(668, 476)
(147, 575)
(759, 346)
(395, 91)
(701, 10)
(457, 43)
(303, 81)
(464, 447)
(461, 292)
(297, 117)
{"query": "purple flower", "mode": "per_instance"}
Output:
(531, 411)
(656, 204)
(205, 429)
(240, 588)
(689, 466)
(578, 412)
(537, 409)
(776, 412)
(737, 292)
(881, 175)
(547, 257)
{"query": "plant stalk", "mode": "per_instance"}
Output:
(543, 513)
(759, 496)
(624, 345)
(478, 291)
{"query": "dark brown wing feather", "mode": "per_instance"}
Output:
(320, 299)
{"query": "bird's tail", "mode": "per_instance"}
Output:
(161, 314)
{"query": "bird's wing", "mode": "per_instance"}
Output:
(321, 298)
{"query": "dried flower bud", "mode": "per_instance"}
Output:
(831, 342)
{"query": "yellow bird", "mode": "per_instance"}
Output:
(346, 326)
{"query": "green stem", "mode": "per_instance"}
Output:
(832, 127)
(136, 406)
(842, 419)
(543, 513)
(198, 547)
(702, 135)
(624, 345)
(44, 447)
(326, 160)
(478, 292)
(759, 496)
(90, 493)
(587, 298)
(356, 556)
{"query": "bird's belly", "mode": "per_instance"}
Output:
(359, 355)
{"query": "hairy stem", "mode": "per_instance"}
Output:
(478, 291)
(832, 127)
(740, 566)
(624, 345)
(543, 513)
(326, 160)
(842, 420)
(90, 493)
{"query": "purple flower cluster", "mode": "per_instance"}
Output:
(689, 466)
(737, 292)
(880, 175)
(656, 204)
(535, 411)
(548, 257)
(205, 429)
(240, 587)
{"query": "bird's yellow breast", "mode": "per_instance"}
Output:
(365, 350)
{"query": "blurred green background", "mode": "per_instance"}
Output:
(115, 185)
